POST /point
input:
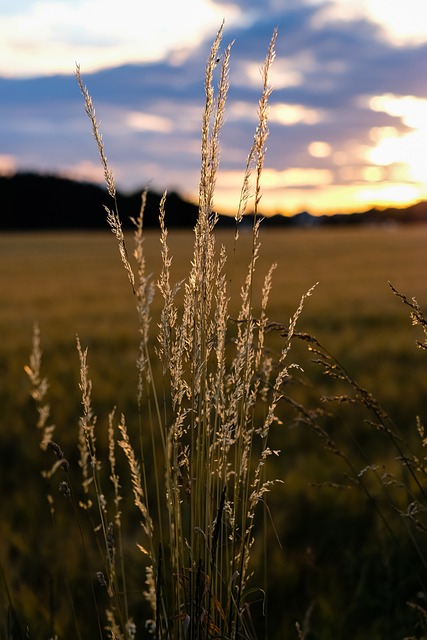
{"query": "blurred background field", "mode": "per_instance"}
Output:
(74, 283)
(338, 560)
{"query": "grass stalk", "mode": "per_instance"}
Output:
(208, 445)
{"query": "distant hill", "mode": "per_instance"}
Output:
(43, 202)
(32, 201)
(413, 214)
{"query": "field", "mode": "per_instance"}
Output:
(347, 564)
(74, 284)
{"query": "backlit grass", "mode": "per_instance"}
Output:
(225, 487)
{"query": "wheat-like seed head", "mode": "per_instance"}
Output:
(39, 390)
(138, 492)
(113, 217)
(90, 110)
(214, 379)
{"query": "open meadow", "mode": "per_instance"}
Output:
(338, 556)
(216, 434)
(73, 283)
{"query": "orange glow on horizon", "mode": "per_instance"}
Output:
(327, 200)
(390, 171)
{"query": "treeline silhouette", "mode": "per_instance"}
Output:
(42, 202)
(31, 201)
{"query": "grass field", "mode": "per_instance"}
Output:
(203, 467)
(74, 284)
(351, 266)
(338, 559)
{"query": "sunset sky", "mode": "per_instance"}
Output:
(348, 114)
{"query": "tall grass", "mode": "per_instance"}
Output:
(208, 422)
(192, 497)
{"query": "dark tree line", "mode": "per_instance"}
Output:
(31, 201)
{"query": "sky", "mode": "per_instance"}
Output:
(348, 111)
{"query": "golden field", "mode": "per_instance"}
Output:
(74, 283)
(336, 551)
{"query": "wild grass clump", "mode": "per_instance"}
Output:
(166, 509)
(209, 437)
(200, 478)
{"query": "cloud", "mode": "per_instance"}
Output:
(85, 171)
(402, 24)
(47, 36)
(319, 149)
(280, 113)
(148, 122)
(412, 111)
(297, 177)
(7, 164)
(346, 112)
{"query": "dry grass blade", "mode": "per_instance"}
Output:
(90, 110)
(416, 315)
(39, 389)
(113, 217)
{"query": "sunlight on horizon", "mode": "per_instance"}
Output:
(328, 200)
(388, 171)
